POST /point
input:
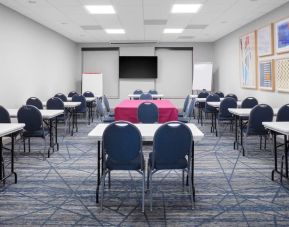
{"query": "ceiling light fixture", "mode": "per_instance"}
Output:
(186, 8)
(100, 9)
(173, 30)
(115, 31)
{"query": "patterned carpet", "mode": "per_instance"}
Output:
(231, 190)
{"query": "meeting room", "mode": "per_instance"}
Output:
(144, 113)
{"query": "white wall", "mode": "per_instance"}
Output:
(203, 52)
(34, 61)
(227, 61)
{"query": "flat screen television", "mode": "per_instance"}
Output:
(138, 67)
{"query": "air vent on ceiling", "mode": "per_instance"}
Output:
(196, 26)
(133, 42)
(186, 37)
(91, 27)
(155, 22)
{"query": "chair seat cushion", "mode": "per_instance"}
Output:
(179, 164)
(181, 115)
(183, 119)
(38, 133)
(132, 165)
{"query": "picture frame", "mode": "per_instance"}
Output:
(282, 74)
(265, 41)
(266, 75)
(248, 60)
(282, 36)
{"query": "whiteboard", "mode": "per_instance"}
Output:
(203, 76)
(93, 82)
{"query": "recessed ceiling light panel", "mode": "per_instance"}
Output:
(173, 30)
(100, 9)
(115, 31)
(186, 8)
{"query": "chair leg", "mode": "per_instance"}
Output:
(183, 178)
(191, 188)
(24, 144)
(102, 189)
(29, 146)
(143, 189)
(148, 176)
(150, 189)
(109, 181)
(260, 142)
(282, 164)
(265, 145)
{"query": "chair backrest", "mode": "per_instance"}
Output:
(82, 106)
(249, 102)
(72, 93)
(55, 104)
(99, 107)
(225, 104)
(186, 102)
(283, 113)
(146, 96)
(172, 143)
(153, 92)
(137, 92)
(189, 109)
(148, 113)
(31, 117)
(4, 115)
(220, 94)
(211, 98)
(88, 94)
(122, 142)
(106, 103)
(231, 95)
(61, 96)
(33, 101)
(203, 94)
(259, 114)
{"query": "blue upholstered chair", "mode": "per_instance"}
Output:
(220, 94)
(122, 150)
(189, 112)
(88, 94)
(146, 96)
(153, 92)
(102, 115)
(172, 150)
(148, 113)
(258, 114)
(72, 93)
(137, 92)
(4, 115)
(211, 110)
(56, 103)
(33, 101)
(283, 115)
(82, 108)
(249, 102)
(201, 105)
(61, 96)
(32, 118)
(224, 116)
(231, 95)
(107, 106)
(186, 102)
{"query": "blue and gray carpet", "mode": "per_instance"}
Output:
(231, 190)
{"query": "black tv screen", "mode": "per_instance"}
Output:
(138, 67)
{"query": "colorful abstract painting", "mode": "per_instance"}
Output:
(265, 41)
(266, 75)
(282, 36)
(282, 75)
(248, 61)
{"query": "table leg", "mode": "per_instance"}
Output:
(236, 132)
(241, 132)
(275, 156)
(50, 137)
(56, 139)
(1, 162)
(12, 159)
(72, 127)
(98, 170)
(286, 155)
(193, 169)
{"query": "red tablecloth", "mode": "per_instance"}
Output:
(127, 110)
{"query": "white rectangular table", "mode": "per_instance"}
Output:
(275, 129)
(87, 99)
(240, 114)
(217, 104)
(51, 116)
(155, 96)
(8, 129)
(147, 131)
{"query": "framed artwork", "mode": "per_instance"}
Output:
(282, 75)
(248, 63)
(265, 41)
(282, 36)
(266, 75)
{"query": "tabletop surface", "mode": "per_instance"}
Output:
(245, 112)
(147, 131)
(46, 114)
(8, 128)
(88, 99)
(217, 104)
(67, 104)
(278, 126)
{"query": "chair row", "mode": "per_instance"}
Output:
(122, 150)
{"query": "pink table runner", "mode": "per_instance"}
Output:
(127, 110)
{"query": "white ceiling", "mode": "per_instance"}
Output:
(67, 16)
